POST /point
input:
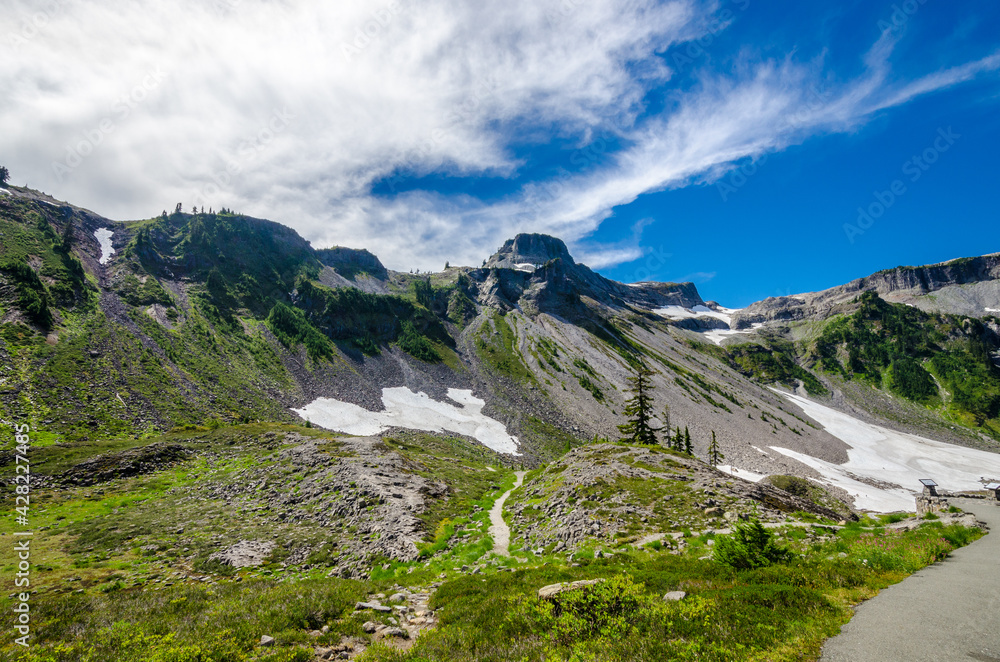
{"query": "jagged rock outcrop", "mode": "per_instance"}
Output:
(537, 273)
(529, 251)
(902, 284)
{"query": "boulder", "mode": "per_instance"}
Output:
(552, 590)
(674, 596)
(374, 606)
(244, 554)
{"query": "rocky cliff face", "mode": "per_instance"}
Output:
(529, 251)
(537, 271)
(902, 284)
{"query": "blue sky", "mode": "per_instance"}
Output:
(730, 143)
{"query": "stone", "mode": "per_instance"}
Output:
(397, 597)
(714, 511)
(369, 627)
(552, 590)
(374, 606)
(396, 633)
(266, 641)
(674, 596)
(244, 554)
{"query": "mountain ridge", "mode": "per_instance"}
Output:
(215, 304)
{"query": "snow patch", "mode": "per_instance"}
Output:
(103, 236)
(745, 474)
(525, 266)
(417, 411)
(893, 461)
(715, 335)
(993, 310)
(680, 312)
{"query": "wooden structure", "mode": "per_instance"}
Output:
(994, 489)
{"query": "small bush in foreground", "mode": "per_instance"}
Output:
(749, 546)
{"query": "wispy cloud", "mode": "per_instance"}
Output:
(373, 89)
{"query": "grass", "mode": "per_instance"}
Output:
(220, 622)
(496, 345)
(777, 613)
(122, 571)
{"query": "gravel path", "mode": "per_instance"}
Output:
(499, 530)
(947, 611)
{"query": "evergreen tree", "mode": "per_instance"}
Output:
(4, 175)
(666, 427)
(67, 238)
(688, 448)
(639, 409)
(677, 439)
(713, 452)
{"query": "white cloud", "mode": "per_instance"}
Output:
(291, 109)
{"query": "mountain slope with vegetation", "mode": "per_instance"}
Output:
(184, 511)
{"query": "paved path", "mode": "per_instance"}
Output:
(499, 530)
(947, 612)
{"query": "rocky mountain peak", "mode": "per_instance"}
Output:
(529, 251)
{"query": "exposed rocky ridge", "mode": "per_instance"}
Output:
(902, 284)
(533, 250)
(537, 272)
(617, 493)
(351, 261)
(357, 485)
(132, 462)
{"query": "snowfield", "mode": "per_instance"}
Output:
(745, 474)
(715, 335)
(680, 312)
(103, 236)
(417, 411)
(894, 461)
